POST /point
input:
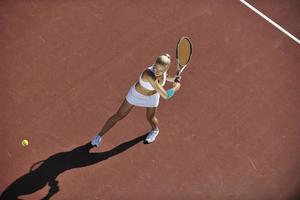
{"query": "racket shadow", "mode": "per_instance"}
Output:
(49, 169)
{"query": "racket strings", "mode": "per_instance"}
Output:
(184, 51)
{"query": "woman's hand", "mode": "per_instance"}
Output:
(176, 86)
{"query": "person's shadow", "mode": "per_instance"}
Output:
(49, 169)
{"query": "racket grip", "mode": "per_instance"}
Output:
(177, 79)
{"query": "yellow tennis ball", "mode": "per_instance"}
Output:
(25, 143)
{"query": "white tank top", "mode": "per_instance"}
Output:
(147, 85)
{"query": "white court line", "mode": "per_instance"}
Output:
(271, 21)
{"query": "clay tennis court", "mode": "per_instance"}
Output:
(232, 132)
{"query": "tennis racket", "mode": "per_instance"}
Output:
(183, 55)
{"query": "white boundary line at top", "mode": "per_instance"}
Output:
(271, 21)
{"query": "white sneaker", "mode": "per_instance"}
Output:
(152, 135)
(96, 141)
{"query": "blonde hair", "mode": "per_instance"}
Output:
(164, 60)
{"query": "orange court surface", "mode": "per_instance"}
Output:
(232, 131)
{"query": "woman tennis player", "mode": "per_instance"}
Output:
(145, 93)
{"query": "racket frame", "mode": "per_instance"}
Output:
(180, 67)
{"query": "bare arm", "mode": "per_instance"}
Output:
(159, 88)
(172, 79)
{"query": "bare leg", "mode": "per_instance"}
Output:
(151, 117)
(120, 114)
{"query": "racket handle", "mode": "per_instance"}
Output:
(177, 79)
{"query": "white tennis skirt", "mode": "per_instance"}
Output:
(135, 98)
